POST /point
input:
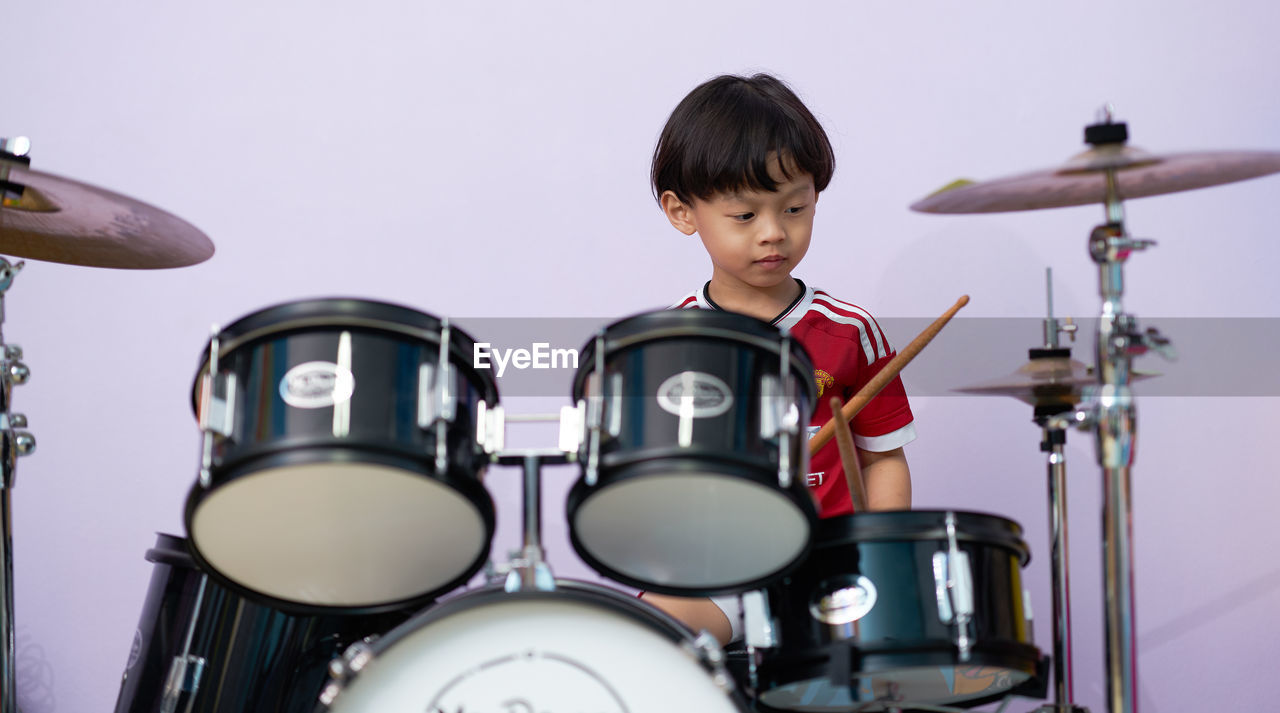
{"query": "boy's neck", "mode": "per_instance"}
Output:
(764, 303)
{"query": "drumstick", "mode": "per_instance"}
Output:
(882, 379)
(849, 459)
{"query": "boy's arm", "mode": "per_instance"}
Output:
(888, 479)
(696, 613)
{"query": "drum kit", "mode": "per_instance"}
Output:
(339, 507)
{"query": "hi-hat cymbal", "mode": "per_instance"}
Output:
(61, 220)
(1082, 180)
(1057, 381)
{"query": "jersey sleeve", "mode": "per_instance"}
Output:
(886, 422)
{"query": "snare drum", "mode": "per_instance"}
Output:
(911, 608)
(204, 649)
(579, 648)
(342, 461)
(694, 456)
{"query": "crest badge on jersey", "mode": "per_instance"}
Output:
(824, 380)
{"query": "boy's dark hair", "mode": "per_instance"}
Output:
(719, 138)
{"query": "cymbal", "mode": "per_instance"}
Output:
(1053, 381)
(1082, 179)
(61, 220)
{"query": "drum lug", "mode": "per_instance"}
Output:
(705, 649)
(218, 414)
(353, 660)
(759, 628)
(614, 425)
(216, 408)
(345, 668)
(428, 409)
(788, 420)
(437, 404)
(572, 421)
(595, 414)
(491, 427)
(770, 406)
(448, 401)
(953, 581)
(436, 407)
(184, 678)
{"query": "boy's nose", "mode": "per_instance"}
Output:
(772, 232)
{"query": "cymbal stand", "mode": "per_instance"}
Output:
(1111, 414)
(13, 443)
(1054, 443)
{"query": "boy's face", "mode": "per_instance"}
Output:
(755, 238)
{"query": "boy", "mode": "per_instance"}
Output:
(741, 162)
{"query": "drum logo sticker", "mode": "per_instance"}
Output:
(843, 601)
(511, 684)
(697, 393)
(317, 384)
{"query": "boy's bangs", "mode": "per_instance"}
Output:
(768, 141)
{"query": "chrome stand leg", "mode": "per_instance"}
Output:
(1063, 690)
(1115, 420)
(13, 444)
(8, 696)
(528, 570)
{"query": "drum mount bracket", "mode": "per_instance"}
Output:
(953, 579)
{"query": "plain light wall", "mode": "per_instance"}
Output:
(491, 160)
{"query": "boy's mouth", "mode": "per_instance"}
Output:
(771, 260)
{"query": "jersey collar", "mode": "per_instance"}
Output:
(786, 319)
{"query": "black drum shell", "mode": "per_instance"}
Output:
(647, 349)
(894, 550)
(389, 343)
(258, 659)
(644, 352)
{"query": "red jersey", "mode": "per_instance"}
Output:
(847, 347)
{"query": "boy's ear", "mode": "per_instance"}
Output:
(678, 212)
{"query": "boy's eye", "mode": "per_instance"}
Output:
(795, 209)
(744, 217)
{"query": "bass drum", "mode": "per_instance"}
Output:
(200, 648)
(579, 648)
(911, 608)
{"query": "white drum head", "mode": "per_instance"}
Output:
(692, 529)
(548, 653)
(338, 534)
